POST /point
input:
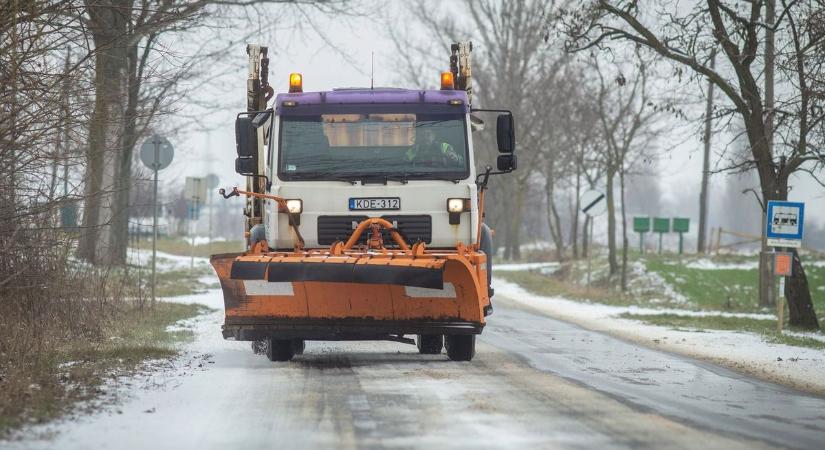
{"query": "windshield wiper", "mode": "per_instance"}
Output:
(385, 178)
(322, 176)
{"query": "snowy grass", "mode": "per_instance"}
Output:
(176, 274)
(766, 328)
(183, 247)
(73, 371)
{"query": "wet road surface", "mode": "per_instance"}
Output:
(535, 382)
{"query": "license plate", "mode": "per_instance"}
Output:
(372, 203)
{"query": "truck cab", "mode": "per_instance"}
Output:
(345, 155)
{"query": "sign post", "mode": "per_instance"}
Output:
(593, 204)
(661, 225)
(156, 153)
(782, 267)
(212, 181)
(641, 225)
(195, 191)
(784, 226)
(681, 226)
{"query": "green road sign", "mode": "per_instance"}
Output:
(641, 224)
(661, 224)
(681, 225)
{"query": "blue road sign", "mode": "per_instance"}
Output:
(785, 223)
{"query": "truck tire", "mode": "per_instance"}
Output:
(279, 349)
(460, 347)
(486, 245)
(298, 345)
(430, 344)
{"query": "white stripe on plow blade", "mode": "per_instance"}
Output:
(263, 287)
(417, 292)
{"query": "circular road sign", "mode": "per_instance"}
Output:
(212, 181)
(593, 203)
(156, 152)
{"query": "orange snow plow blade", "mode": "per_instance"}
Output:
(339, 293)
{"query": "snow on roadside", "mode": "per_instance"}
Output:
(800, 367)
(166, 261)
(707, 264)
(543, 267)
(648, 281)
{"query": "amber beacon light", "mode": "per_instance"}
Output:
(296, 82)
(447, 80)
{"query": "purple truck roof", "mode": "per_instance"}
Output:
(374, 96)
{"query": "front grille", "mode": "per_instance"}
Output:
(339, 228)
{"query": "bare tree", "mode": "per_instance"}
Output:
(628, 121)
(736, 31)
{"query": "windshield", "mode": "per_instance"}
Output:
(357, 146)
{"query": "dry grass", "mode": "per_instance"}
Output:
(66, 326)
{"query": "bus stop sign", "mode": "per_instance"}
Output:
(785, 223)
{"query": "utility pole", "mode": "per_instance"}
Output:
(766, 278)
(703, 195)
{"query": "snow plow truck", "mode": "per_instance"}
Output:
(364, 215)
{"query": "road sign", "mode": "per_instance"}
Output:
(212, 181)
(593, 203)
(785, 223)
(782, 264)
(195, 189)
(156, 152)
(661, 225)
(681, 225)
(641, 224)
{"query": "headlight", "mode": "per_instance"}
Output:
(455, 205)
(295, 206)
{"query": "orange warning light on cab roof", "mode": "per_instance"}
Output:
(296, 82)
(447, 81)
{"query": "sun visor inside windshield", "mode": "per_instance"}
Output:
(359, 108)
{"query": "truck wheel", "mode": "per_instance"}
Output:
(298, 345)
(258, 347)
(460, 347)
(430, 344)
(279, 349)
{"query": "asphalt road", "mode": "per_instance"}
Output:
(535, 382)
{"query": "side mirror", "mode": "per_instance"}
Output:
(246, 137)
(246, 166)
(507, 163)
(506, 133)
(246, 143)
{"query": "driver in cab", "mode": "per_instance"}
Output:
(430, 152)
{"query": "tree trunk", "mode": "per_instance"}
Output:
(801, 313)
(553, 220)
(515, 227)
(624, 231)
(574, 223)
(611, 223)
(109, 28)
(703, 193)
(119, 237)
